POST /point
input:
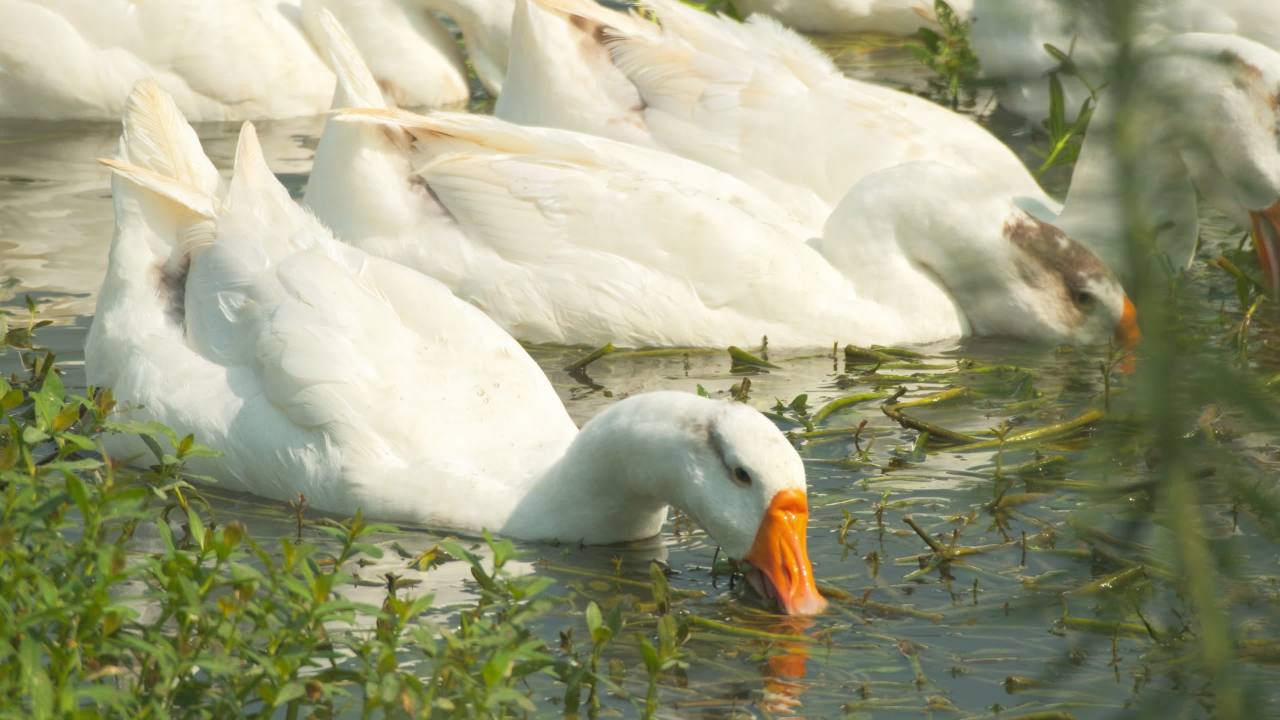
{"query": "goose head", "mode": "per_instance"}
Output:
(746, 488)
(722, 463)
(919, 232)
(1033, 280)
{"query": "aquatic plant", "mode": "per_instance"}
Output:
(1065, 138)
(947, 52)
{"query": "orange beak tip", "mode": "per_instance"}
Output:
(781, 555)
(1128, 334)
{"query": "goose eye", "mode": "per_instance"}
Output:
(741, 476)
(1084, 299)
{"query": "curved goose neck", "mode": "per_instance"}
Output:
(617, 478)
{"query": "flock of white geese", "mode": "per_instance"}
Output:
(694, 181)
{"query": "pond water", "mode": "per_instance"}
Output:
(988, 638)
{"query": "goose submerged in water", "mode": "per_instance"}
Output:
(234, 59)
(758, 101)
(318, 369)
(571, 238)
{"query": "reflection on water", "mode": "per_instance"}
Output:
(889, 645)
(55, 200)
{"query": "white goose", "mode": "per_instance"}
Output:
(1009, 39)
(486, 26)
(224, 60)
(571, 238)
(755, 99)
(899, 17)
(318, 369)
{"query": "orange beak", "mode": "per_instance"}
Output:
(1128, 336)
(781, 554)
(1266, 239)
(1127, 333)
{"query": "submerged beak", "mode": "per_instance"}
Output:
(1266, 238)
(1128, 336)
(780, 553)
(1127, 333)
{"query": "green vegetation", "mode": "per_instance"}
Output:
(724, 7)
(122, 593)
(947, 52)
(1065, 138)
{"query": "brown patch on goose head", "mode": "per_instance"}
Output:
(1249, 80)
(1056, 264)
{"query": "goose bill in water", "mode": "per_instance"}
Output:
(780, 556)
(1266, 238)
(1127, 333)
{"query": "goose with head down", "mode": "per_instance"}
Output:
(898, 17)
(758, 101)
(233, 59)
(571, 238)
(318, 369)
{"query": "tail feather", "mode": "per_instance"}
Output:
(259, 214)
(356, 84)
(483, 130)
(443, 134)
(162, 185)
(157, 138)
(161, 155)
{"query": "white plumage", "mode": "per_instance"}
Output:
(572, 238)
(232, 59)
(318, 369)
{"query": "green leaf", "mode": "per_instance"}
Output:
(650, 656)
(75, 489)
(197, 528)
(931, 40)
(11, 399)
(1057, 123)
(614, 623)
(290, 691)
(740, 358)
(1057, 54)
(659, 587)
(154, 447)
(667, 636)
(496, 669)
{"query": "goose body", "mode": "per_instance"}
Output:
(571, 238)
(753, 99)
(225, 60)
(898, 17)
(1009, 40)
(756, 100)
(318, 369)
